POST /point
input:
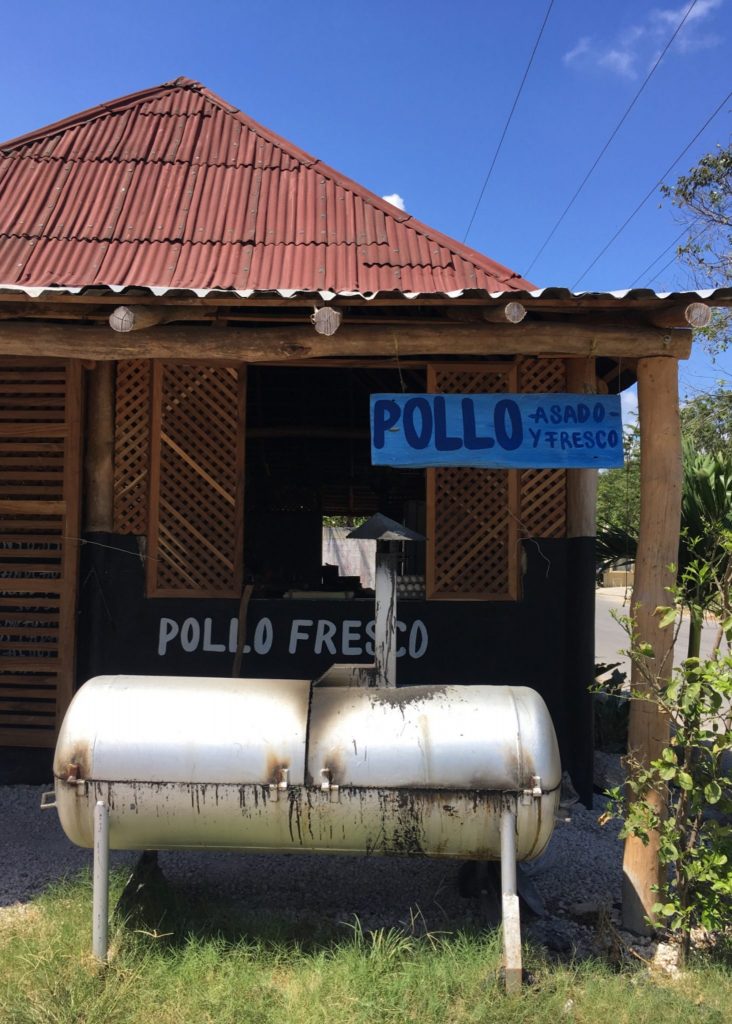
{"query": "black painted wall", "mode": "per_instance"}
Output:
(545, 640)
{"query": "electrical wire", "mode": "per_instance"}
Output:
(614, 132)
(508, 120)
(651, 190)
(661, 254)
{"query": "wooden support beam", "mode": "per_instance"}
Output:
(258, 344)
(99, 461)
(696, 314)
(581, 483)
(136, 318)
(511, 313)
(658, 548)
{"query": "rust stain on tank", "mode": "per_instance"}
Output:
(274, 766)
(78, 766)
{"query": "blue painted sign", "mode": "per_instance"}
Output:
(559, 431)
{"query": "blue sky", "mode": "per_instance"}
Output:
(411, 98)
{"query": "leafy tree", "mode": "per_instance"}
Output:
(618, 493)
(704, 560)
(706, 421)
(704, 196)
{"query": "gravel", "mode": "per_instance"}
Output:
(579, 873)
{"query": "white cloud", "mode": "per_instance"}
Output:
(396, 200)
(672, 16)
(639, 45)
(583, 46)
(620, 61)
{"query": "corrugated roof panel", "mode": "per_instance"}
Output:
(167, 188)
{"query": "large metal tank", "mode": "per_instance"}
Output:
(281, 764)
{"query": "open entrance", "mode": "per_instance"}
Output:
(309, 478)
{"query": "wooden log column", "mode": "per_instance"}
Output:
(580, 597)
(658, 545)
(99, 461)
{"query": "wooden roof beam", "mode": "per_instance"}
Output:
(696, 314)
(257, 344)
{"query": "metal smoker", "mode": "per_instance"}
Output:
(468, 772)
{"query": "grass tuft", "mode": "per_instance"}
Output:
(179, 960)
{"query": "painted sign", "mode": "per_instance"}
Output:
(558, 431)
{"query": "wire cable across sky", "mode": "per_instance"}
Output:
(614, 132)
(651, 191)
(510, 116)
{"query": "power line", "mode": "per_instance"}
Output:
(652, 189)
(510, 116)
(660, 256)
(614, 132)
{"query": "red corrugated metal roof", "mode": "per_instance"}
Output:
(174, 188)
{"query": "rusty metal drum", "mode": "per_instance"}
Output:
(285, 765)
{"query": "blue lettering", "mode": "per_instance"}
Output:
(589, 439)
(570, 416)
(505, 410)
(472, 442)
(564, 438)
(600, 439)
(583, 413)
(443, 442)
(550, 436)
(417, 438)
(555, 414)
(598, 413)
(386, 415)
(535, 436)
(577, 439)
(612, 439)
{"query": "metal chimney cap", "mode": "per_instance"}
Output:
(380, 527)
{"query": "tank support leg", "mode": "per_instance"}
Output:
(510, 903)
(100, 899)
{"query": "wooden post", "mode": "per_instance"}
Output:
(581, 483)
(658, 547)
(580, 636)
(99, 462)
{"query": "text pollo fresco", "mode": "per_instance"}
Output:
(350, 638)
(497, 431)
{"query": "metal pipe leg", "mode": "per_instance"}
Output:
(510, 903)
(100, 911)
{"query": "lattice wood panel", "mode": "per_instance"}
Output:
(472, 514)
(196, 481)
(40, 415)
(132, 446)
(543, 491)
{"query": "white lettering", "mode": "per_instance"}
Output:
(263, 637)
(401, 628)
(324, 636)
(190, 635)
(351, 637)
(168, 632)
(233, 635)
(417, 639)
(370, 632)
(207, 644)
(296, 634)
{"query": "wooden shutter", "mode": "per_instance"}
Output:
(40, 442)
(472, 514)
(543, 491)
(196, 481)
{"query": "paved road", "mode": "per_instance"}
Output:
(610, 637)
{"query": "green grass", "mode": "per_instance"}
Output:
(198, 963)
